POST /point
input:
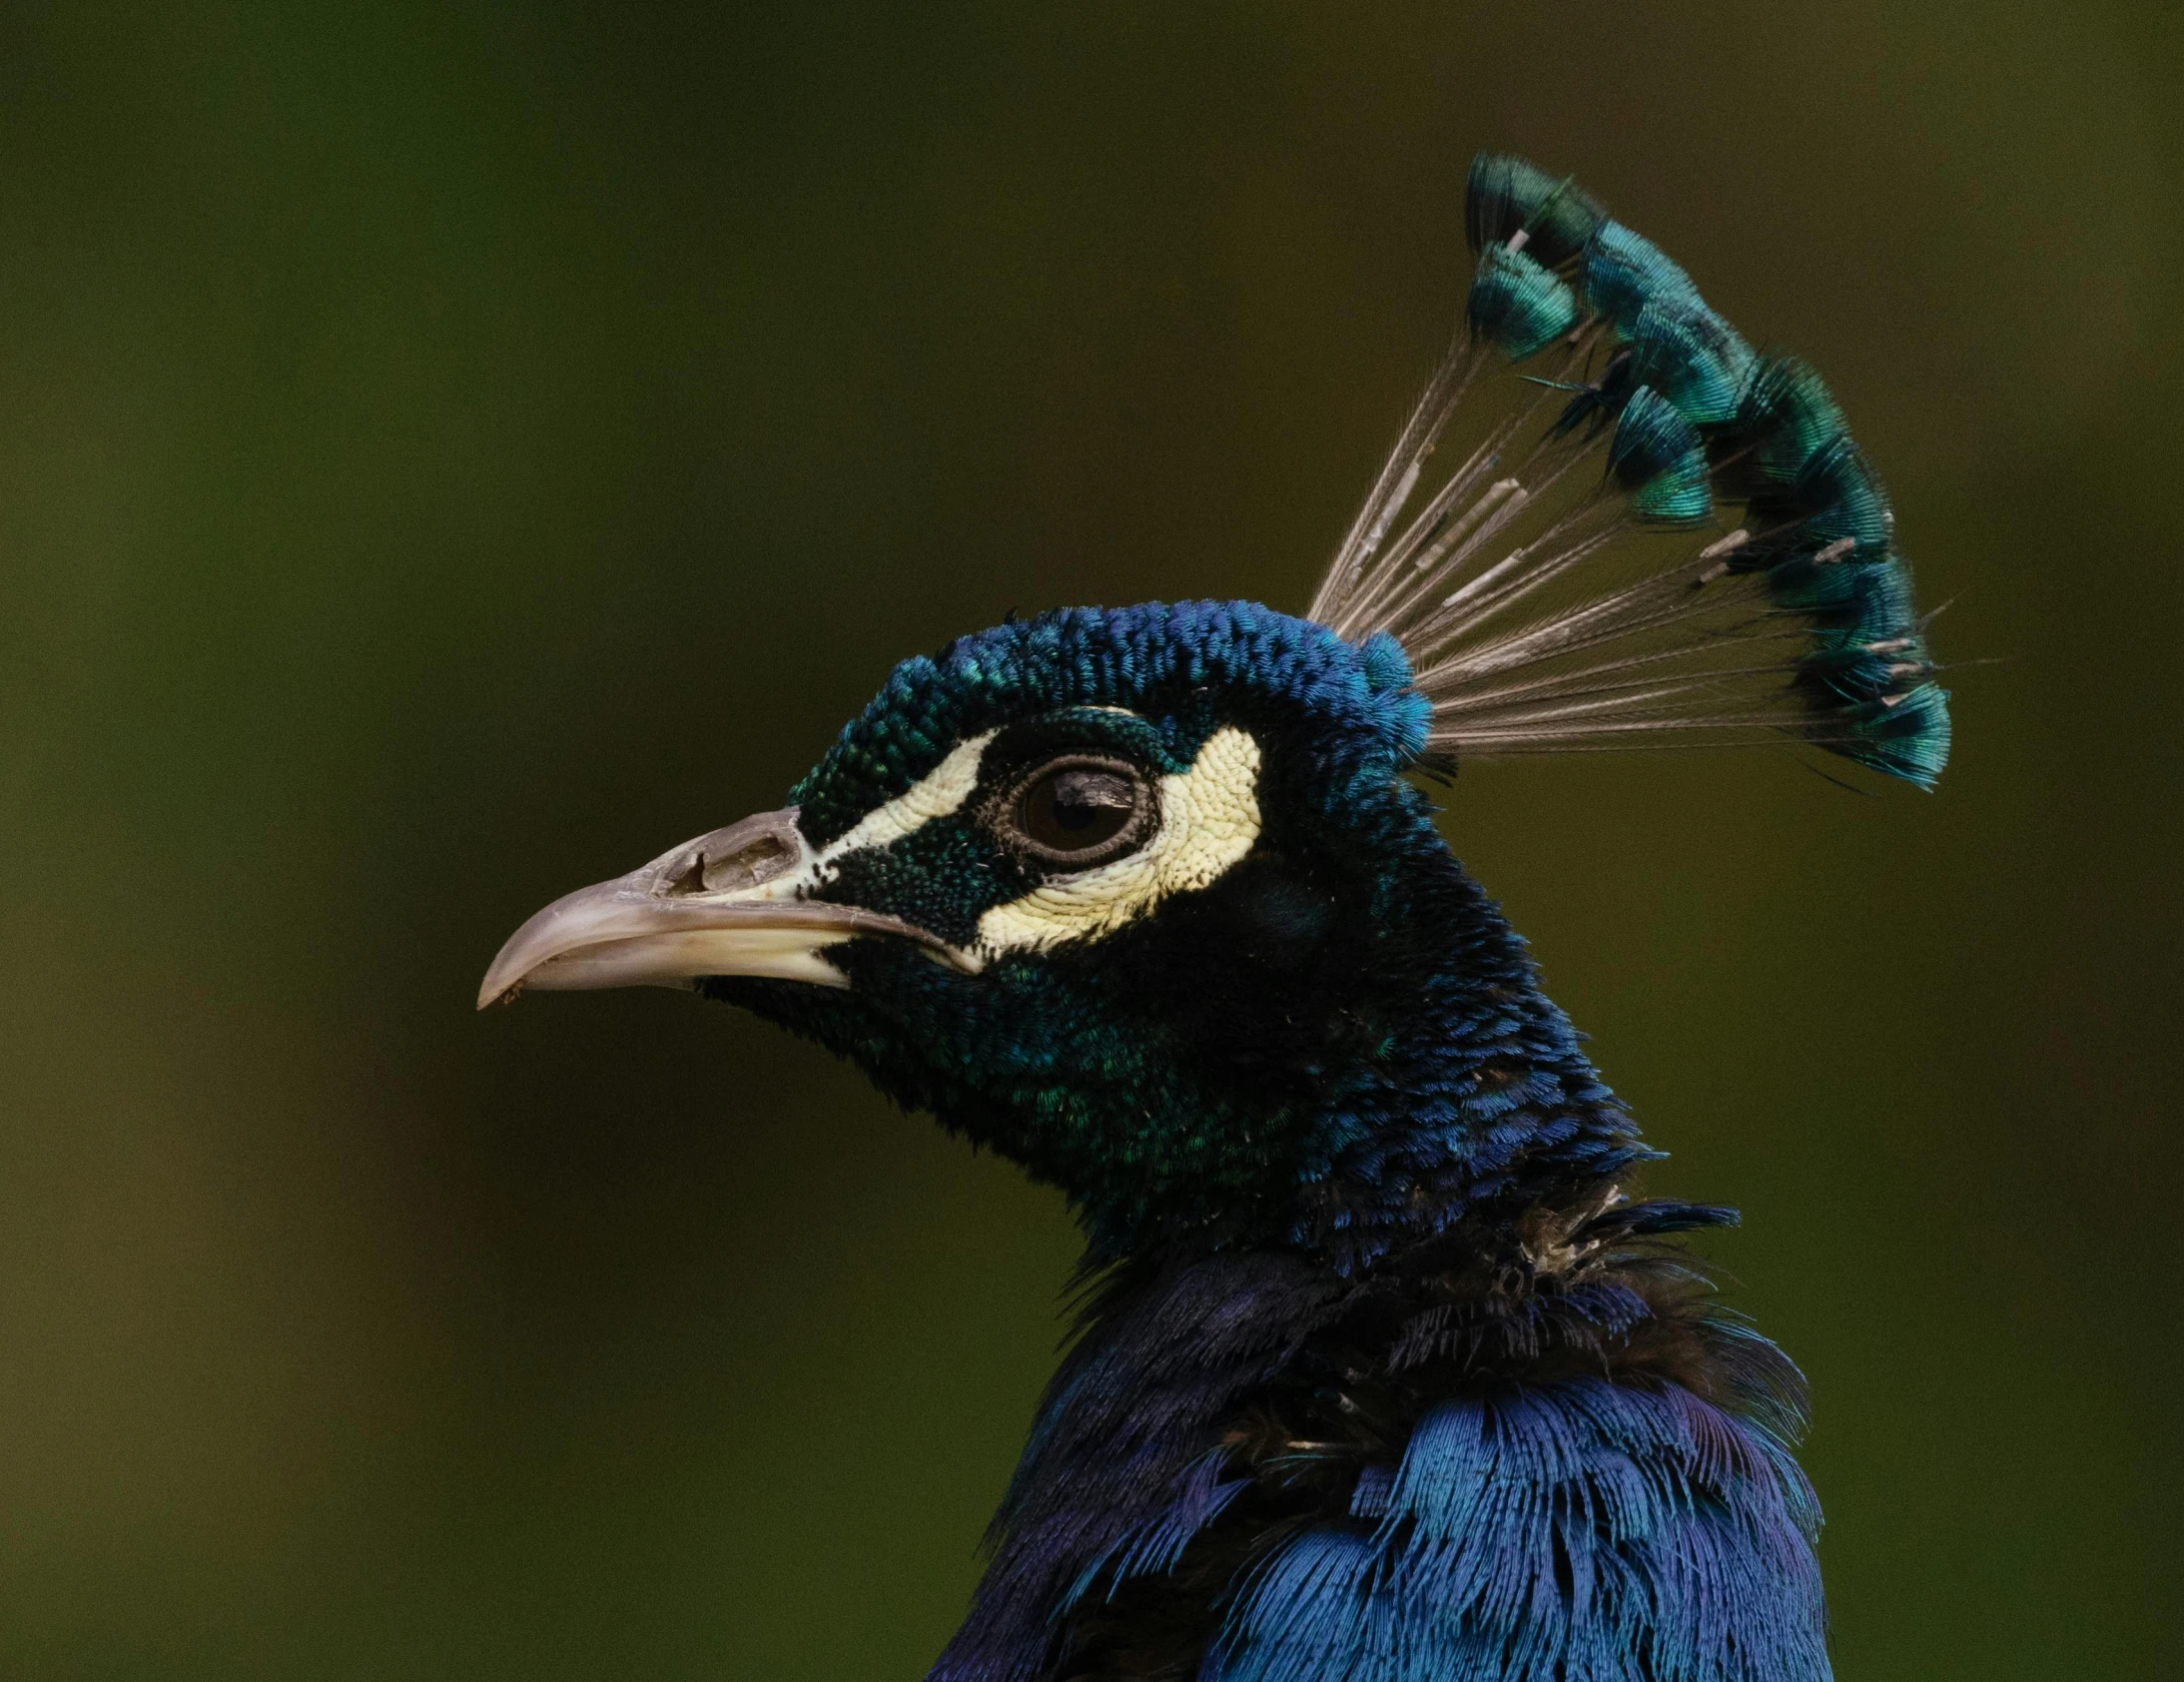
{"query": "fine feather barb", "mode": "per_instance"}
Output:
(1405, 464)
(1661, 538)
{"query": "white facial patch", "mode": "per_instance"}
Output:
(1210, 817)
(938, 794)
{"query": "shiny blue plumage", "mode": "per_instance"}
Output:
(1575, 1530)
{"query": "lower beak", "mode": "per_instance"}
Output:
(723, 903)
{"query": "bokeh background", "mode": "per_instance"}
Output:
(450, 452)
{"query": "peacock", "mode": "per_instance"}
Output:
(1384, 1370)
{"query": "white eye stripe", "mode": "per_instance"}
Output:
(1210, 818)
(940, 793)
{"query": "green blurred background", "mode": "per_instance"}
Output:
(449, 452)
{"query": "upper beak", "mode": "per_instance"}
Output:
(723, 903)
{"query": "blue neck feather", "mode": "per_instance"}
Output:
(1479, 1098)
(1250, 1469)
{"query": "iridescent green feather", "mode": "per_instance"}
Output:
(1517, 305)
(1658, 457)
(1693, 423)
(1507, 196)
(1692, 357)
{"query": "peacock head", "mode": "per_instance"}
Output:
(1143, 897)
(1131, 896)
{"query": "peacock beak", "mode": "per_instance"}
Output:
(727, 903)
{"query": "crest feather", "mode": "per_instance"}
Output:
(1660, 538)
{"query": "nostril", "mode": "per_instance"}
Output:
(759, 859)
(710, 872)
(744, 855)
(691, 879)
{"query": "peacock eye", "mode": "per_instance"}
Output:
(1080, 812)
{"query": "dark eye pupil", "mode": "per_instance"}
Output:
(1078, 808)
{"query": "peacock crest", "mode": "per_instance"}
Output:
(1648, 534)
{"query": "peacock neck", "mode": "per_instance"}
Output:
(1482, 1103)
(1399, 1074)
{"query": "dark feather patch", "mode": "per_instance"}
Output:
(1238, 1416)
